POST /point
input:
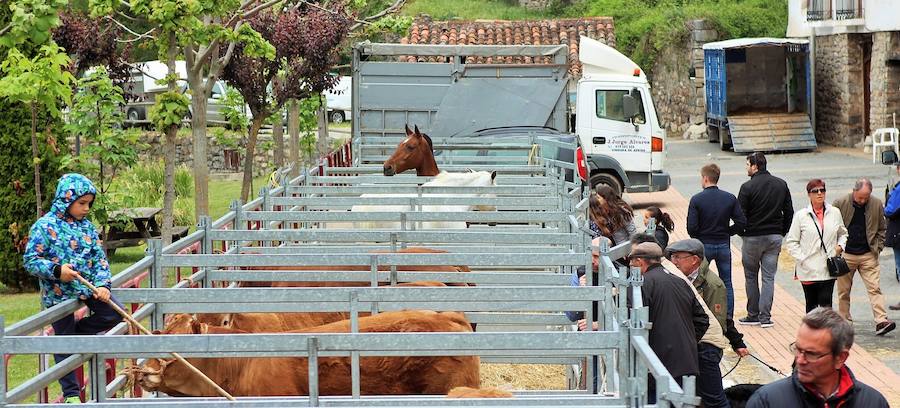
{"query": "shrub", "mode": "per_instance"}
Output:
(143, 186)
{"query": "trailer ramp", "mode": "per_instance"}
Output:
(771, 132)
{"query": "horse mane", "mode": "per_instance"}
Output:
(428, 139)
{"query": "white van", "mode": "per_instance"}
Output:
(338, 100)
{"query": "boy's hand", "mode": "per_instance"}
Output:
(66, 273)
(102, 294)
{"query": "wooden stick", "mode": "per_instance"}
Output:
(127, 316)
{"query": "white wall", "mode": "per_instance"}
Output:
(882, 15)
(879, 15)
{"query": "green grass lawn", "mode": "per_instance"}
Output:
(472, 9)
(17, 306)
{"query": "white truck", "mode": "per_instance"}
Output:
(457, 95)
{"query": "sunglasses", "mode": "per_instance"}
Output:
(817, 190)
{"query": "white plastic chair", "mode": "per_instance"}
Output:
(884, 137)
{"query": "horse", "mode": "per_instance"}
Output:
(467, 179)
(416, 152)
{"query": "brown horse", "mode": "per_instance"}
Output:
(415, 152)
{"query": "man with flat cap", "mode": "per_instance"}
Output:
(677, 318)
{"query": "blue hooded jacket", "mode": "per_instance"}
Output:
(57, 238)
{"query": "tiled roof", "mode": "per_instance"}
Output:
(499, 32)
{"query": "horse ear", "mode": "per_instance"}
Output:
(493, 175)
(417, 130)
(409, 132)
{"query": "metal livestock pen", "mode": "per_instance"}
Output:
(521, 256)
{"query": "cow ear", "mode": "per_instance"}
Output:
(196, 327)
(156, 332)
(493, 175)
(409, 132)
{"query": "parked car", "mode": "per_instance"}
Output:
(338, 100)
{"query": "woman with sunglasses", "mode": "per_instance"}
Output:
(814, 227)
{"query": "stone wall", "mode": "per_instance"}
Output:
(535, 4)
(885, 80)
(680, 100)
(262, 163)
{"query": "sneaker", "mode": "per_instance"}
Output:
(72, 400)
(884, 327)
(767, 323)
(895, 307)
(749, 321)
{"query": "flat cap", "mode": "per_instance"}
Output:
(692, 246)
(646, 250)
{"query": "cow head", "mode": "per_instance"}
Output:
(167, 375)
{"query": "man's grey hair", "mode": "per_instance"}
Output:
(841, 330)
(863, 182)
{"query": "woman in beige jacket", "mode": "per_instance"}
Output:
(804, 244)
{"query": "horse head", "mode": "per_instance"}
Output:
(415, 152)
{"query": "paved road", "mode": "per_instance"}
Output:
(839, 168)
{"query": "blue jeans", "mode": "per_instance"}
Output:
(760, 259)
(721, 254)
(102, 318)
(709, 382)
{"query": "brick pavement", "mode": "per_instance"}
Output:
(771, 344)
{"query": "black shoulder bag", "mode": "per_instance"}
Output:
(837, 266)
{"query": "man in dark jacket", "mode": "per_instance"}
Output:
(864, 218)
(820, 378)
(766, 202)
(709, 219)
(677, 319)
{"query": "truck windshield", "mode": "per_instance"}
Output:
(610, 105)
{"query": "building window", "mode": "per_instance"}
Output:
(818, 10)
(848, 9)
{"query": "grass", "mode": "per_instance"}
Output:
(474, 9)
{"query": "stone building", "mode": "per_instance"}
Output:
(857, 64)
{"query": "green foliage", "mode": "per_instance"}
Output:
(645, 27)
(474, 9)
(96, 116)
(169, 110)
(144, 186)
(309, 125)
(234, 110)
(390, 24)
(254, 44)
(41, 81)
(30, 21)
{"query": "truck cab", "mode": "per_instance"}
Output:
(617, 122)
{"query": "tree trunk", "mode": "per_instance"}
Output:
(322, 146)
(248, 156)
(278, 139)
(36, 161)
(199, 153)
(169, 154)
(294, 132)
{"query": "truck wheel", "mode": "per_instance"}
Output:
(336, 117)
(133, 115)
(713, 133)
(607, 179)
(725, 140)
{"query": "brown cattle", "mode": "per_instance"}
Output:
(360, 268)
(490, 392)
(282, 322)
(288, 376)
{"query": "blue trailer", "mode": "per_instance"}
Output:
(759, 94)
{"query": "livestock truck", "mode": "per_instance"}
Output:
(759, 94)
(462, 91)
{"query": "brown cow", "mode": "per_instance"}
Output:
(490, 392)
(282, 322)
(288, 376)
(360, 268)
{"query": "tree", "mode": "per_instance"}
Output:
(38, 83)
(306, 41)
(96, 117)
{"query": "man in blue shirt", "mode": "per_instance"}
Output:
(710, 216)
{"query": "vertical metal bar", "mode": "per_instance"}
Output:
(98, 378)
(354, 355)
(313, 349)
(393, 280)
(206, 248)
(374, 280)
(157, 279)
(266, 206)
(3, 380)
(238, 207)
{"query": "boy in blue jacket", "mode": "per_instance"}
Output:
(63, 244)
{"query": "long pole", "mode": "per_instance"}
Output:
(144, 330)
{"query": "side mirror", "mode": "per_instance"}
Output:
(629, 106)
(889, 157)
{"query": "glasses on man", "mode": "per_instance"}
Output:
(817, 190)
(808, 356)
(678, 257)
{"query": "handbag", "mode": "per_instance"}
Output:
(837, 265)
